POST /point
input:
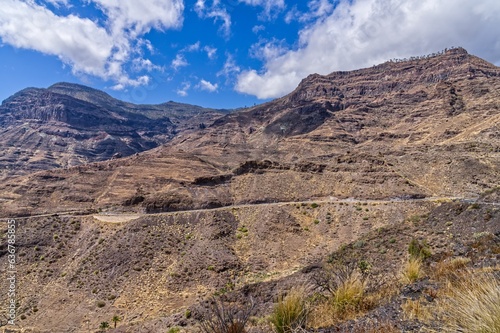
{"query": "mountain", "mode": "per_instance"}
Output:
(350, 167)
(69, 124)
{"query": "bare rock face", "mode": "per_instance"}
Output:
(68, 124)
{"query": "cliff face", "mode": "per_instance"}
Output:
(68, 124)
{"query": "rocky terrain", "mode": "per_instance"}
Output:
(347, 169)
(68, 124)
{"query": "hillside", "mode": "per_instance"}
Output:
(345, 170)
(69, 124)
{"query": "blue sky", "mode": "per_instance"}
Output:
(225, 53)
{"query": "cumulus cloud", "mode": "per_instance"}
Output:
(83, 44)
(140, 64)
(207, 86)
(193, 47)
(362, 33)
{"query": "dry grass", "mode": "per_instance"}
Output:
(449, 267)
(348, 300)
(290, 314)
(412, 270)
(472, 304)
(416, 309)
(349, 294)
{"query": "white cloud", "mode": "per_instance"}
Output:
(265, 49)
(317, 9)
(207, 86)
(83, 44)
(58, 3)
(362, 33)
(183, 91)
(193, 47)
(216, 11)
(138, 17)
(179, 61)
(211, 52)
(140, 64)
(76, 41)
(230, 68)
(258, 28)
(270, 6)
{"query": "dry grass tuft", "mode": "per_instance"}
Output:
(349, 294)
(412, 270)
(290, 314)
(472, 304)
(349, 297)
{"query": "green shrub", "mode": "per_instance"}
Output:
(419, 250)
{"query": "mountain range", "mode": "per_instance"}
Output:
(147, 211)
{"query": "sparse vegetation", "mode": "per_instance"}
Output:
(104, 326)
(419, 249)
(290, 313)
(115, 320)
(174, 330)
(416, 309)
(346, 294)
(472, 304)
(224, 318)
(412, 270)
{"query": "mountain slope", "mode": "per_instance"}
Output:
(254, 201)
(68, 124)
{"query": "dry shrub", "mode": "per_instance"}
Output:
(223, 318)
(290, 314)
(472, 304)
